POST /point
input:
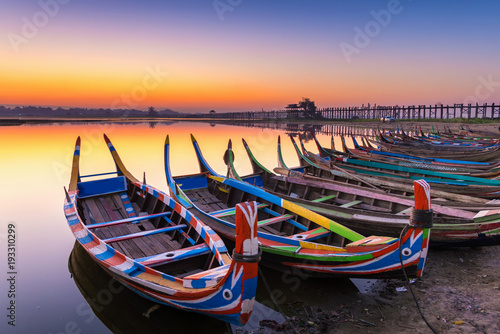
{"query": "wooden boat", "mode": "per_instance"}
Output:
(490, 153)
(151, 244)
(422, 140)
(485, 133)
(464, 137)
(383, 170)
(121, 310)
(377, 180)
(369, 150)
(478, 134)
(370, 211)
(328, 152)
(490, 171)
(293, 238)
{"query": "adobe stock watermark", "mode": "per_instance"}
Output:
(11, 273)
(223, 6)
(151, 81)
(484, 90)
(373, 28)
(31, 26)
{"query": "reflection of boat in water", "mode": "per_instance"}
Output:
(122, 310)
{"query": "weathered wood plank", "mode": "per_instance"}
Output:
(104, 232)
(132, 247)
(128, 220)
(384, 197)
(145, 233)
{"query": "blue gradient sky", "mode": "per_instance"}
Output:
(263, 54)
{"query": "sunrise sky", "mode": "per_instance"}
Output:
(235, 55)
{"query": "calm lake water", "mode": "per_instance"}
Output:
(35, 165)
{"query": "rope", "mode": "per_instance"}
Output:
(261, 274)
(408, 282)
(247, 258)
(421, 218)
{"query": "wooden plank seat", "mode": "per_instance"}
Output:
(145, 233)
(369, 244)
(170, 222)
(288, 220)
(136, 219)
(110, 208)
(176, 255)
(102, 187)
(310, 235)
(273, 220)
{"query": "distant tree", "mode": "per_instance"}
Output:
(152, 112)
(309, 107)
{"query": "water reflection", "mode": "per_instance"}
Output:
(38, 157)
(296, 292)
(330, 129)
(123, 311)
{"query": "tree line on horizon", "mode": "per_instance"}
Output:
(82, 112)
(305, 105)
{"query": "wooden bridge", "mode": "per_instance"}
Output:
(420, 112)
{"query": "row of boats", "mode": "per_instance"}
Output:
(339, 213)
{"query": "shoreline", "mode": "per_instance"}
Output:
(478, 124)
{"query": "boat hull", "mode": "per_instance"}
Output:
(299, 239)
(151, 244)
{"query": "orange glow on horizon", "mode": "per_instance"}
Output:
(140, 147)
(183, 86)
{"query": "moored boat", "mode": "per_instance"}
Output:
(484, 153)
(372, 152)
(484, 170)
(391, 169)
(371, 211)
(292, 237)
(155, 247)
(124, 311)
(392, 177)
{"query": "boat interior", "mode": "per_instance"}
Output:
(219, 201)
(142, 227)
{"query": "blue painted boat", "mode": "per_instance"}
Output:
(395, 171)
(373, 211)
(293, 238)
(154, 246)
(315, 165)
